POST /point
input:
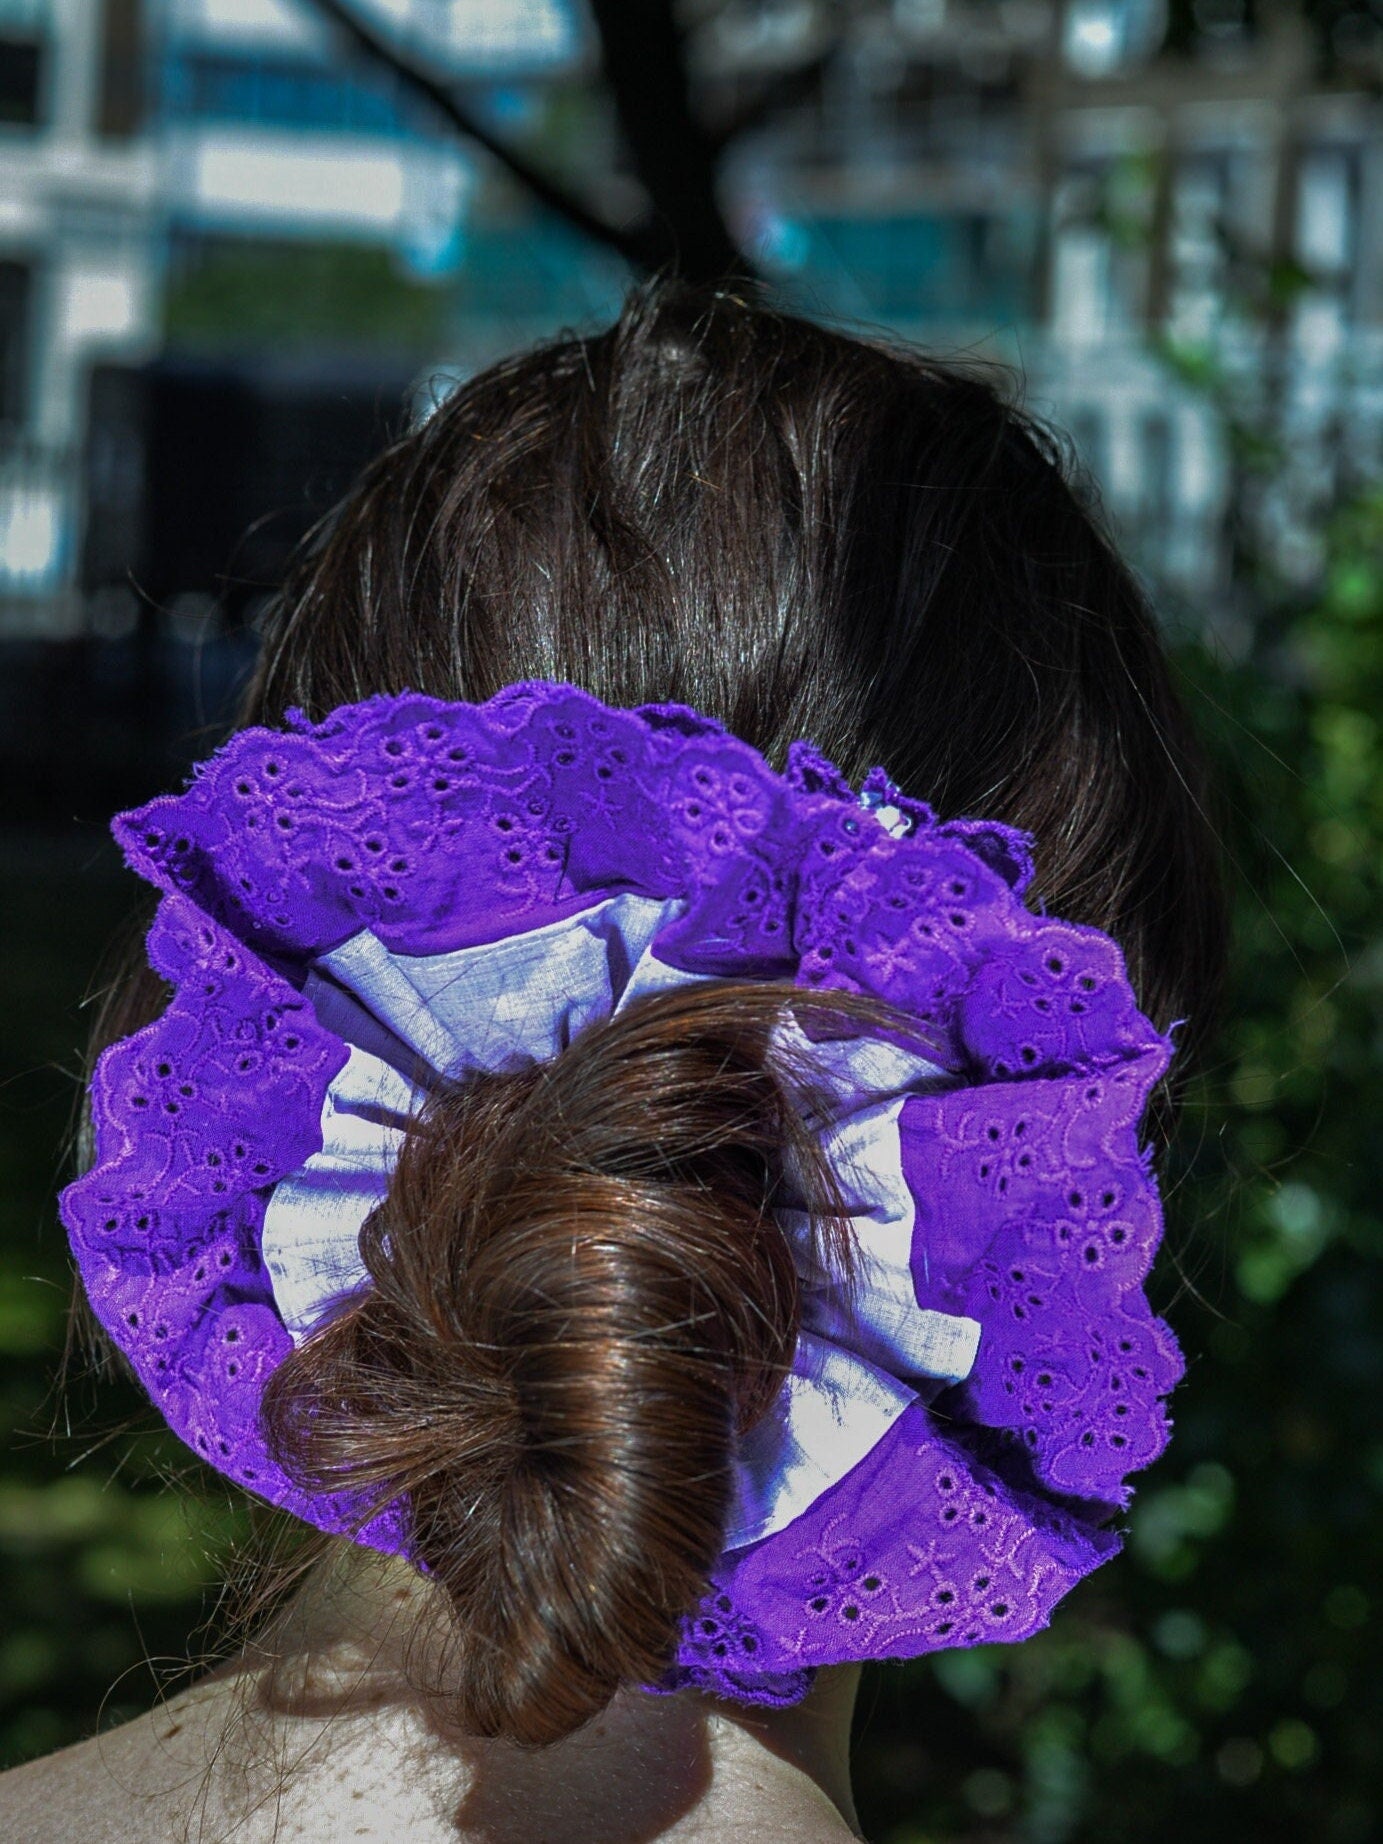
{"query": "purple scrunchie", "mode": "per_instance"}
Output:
(432, 827)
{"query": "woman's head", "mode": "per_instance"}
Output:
(802, 535)
(579, 1292)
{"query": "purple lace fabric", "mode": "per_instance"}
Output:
(440, 826)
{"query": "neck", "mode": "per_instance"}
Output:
(363, 1638)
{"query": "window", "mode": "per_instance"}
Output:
(120, 100)
(14, 341)
(21, 80)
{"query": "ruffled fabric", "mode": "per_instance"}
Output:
(414, 1024)
(428, 828)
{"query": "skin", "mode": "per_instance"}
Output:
(326, 1731)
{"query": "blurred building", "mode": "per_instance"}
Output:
(211, 216)
(79, 200)
(1150, 234)
(169, 169)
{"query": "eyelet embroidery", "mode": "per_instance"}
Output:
(442, 825)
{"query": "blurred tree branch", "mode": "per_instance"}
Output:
(674, 154)
(372, 44)
(784, 90)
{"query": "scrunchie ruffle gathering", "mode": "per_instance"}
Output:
(942, 1464)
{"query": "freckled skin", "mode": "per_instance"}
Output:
(319, 1733)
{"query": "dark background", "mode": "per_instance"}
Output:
(1162, 220)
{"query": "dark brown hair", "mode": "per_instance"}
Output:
(580, 1295)
(803, 535)
(579, 1291)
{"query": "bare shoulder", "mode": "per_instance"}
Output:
(141, 1781)
(772, 1808)
(783, 1827)
(207, 1767)
(221, 1765)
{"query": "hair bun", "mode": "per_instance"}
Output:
(580, 1293)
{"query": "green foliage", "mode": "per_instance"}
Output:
(1219, 1678)
(103, 1568)
(230, 296)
